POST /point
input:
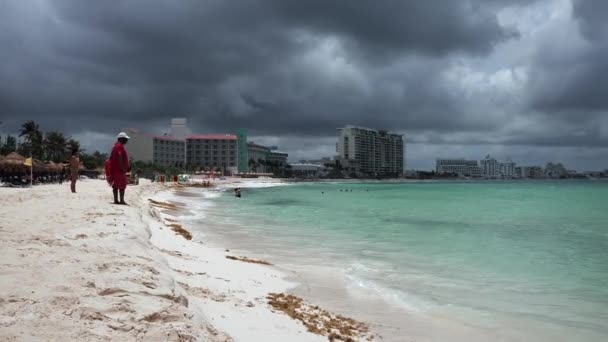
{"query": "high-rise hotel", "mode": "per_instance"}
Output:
(371, 152)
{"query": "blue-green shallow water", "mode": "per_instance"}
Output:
(491, 253)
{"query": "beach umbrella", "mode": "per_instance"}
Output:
(14, 157)
(39, 166)
(54, 166)
(61, 166)
(14, 161)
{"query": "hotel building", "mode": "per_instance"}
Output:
(259, 155)
(490, 167)
(179, 128)
(507, 169)
(228, 152)
(212, 151)
(371, 152)
(157, 149)
(277, 158)
(459, 166)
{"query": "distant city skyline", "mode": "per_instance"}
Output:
(519, 79)
(420, 156)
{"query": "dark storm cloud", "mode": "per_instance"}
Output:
(591, 15)
(130, 61)
(570, 75)
(432, 27)
(294, 68)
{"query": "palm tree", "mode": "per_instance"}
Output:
(272, 165)
(33, 139)
(100, 158)
(28, 129)
(55, 145)
(74, 145)
(10, 145)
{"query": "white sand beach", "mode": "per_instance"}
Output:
(75, 267)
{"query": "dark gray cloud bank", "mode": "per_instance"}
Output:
(519, 79)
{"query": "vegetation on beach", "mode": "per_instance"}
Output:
(178, 229)
(319, 321)
(163, 205)
(55, 146)
(49, 146)
(246, 259)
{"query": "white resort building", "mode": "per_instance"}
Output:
(507, 169)
(157, 149)
(179, 128)
(257, 157)
(371, 152)
(212, 151)
(179, 148)
(490, 167)
(459, 166)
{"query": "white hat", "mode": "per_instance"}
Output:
(123, 135)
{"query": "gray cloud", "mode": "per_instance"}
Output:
(570, 73)
(434, 28)
(444, 72)
(591, 16)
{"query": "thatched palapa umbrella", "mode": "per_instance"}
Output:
(55, 167)
(39, 166)
(12, 162)
(14, 156)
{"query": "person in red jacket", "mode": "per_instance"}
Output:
(119, 166)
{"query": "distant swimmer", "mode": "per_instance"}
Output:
(237, 192)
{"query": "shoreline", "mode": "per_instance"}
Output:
(321, 284)
(84, 269)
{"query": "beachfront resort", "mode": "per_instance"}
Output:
(228, 153)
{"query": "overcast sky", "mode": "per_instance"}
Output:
(519, 79)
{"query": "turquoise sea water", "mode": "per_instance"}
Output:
(531, 257)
